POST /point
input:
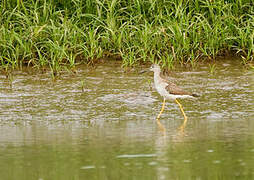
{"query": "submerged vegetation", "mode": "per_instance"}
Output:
(60, 33)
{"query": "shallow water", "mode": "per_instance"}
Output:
(53, 130)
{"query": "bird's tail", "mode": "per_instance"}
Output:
(195, 95)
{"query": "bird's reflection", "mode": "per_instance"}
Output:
(163, 143)
(162, 129)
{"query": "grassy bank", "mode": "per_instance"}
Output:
(61, 33)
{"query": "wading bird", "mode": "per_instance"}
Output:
(170, 91)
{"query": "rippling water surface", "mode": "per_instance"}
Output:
(54, 130)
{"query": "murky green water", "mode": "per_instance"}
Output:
(53, 130)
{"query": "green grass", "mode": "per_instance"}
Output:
(59, 34)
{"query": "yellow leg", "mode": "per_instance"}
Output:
(185, 117)
(159, 115)
(162, 109)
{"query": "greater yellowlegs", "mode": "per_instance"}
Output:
(169, 90)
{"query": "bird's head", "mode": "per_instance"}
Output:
(155, 68)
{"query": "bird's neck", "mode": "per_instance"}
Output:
(156, 76)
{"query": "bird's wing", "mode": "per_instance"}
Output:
(173, 89)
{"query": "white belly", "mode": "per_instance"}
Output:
(164, 93)
(161, 89)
